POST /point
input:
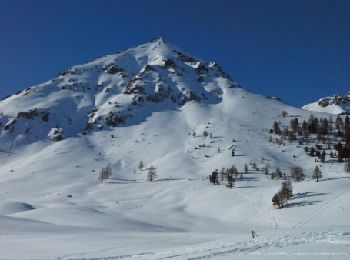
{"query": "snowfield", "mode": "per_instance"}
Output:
(52, 205)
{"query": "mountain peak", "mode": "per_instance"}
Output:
(159, 39)
(121, 89)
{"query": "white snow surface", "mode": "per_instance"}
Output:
(180, 215)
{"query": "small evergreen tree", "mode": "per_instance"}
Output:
(230, 181)
(151, 174)
(205, 134)
(323, 156)
(297, 174)
(105, 173)
(245, 168)
(277, 174)
(277, 200)
(282, 196)
(254, 165)
(317, 174)
(287, 190)
(141, 165)
(232, 171)
(266, 169)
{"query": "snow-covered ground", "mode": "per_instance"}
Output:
(52, 205)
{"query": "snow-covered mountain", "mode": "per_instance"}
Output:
(336, 104)
(116, 90)
(184, 116)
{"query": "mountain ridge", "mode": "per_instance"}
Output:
(109, 91)
(337, 104)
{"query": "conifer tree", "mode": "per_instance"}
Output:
(317, 174)
(323, 156)
(297, 174)
(141, 165)
(151, 174)
(245, 168)
(105, 173)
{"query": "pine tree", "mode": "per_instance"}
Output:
(277, 174)
(323, 156)
(317, 174)
(297, 174)
(287, 189)
(230, 181)
(282, 196)
(141, 165)
(254, 165)
(105, 173)
(232, 171)
(205, 134)
(151, 174)
(266, 169)
(277, 200)
(245, 168)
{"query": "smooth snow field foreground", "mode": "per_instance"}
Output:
(180, 219)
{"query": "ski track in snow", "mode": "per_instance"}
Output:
(257, 247)
(325, 205)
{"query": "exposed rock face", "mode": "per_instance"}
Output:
(56, 134)
(336, 104)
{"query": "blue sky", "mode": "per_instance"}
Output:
(298, 50)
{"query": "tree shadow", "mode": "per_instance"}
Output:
(247, 187)
(5, 151)
(301, 203)
(170, 179)
(245, 178)
(307, 195)
(332, 161)
(334, 178)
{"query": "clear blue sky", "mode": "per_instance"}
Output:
(298, 50)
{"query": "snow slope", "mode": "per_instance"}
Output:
(53, 206)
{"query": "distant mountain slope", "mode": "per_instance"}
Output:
(337, 104)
